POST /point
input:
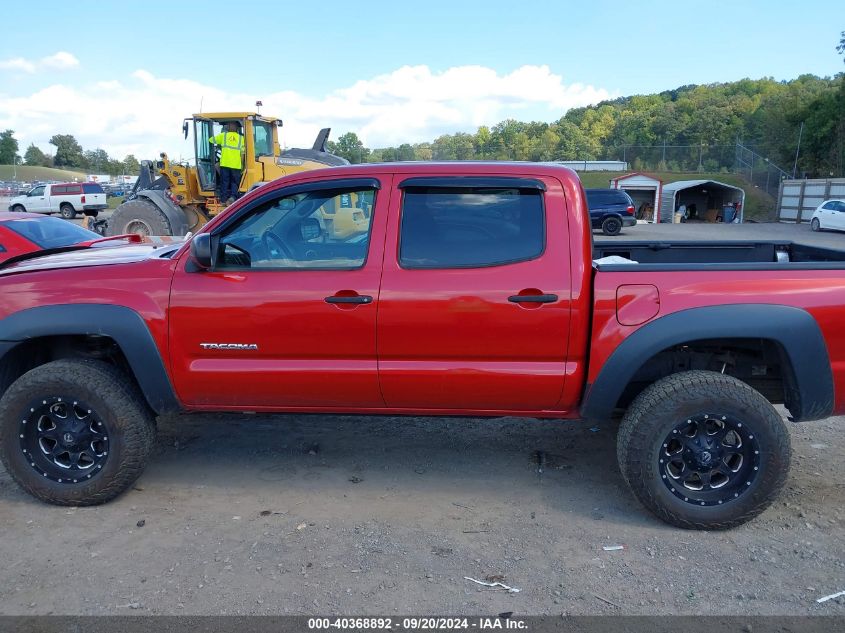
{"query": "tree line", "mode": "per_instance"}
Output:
(68, 154)
(764, 114)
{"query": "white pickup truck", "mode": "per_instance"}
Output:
(66, 199)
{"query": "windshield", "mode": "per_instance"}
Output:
(50, 232)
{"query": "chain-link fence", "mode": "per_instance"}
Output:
(710, 159)
(681, 158)
(759, 170)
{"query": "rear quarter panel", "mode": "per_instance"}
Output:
(820, 292)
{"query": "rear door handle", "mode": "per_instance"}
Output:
(532, 298)
(353, 299)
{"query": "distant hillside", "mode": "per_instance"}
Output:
(26, 173)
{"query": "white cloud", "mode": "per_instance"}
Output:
(61, 60)
(143, 114)
(18, 63)
(58, 61)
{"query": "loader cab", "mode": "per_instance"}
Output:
(259, 133)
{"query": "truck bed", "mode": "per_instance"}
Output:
(725, 255)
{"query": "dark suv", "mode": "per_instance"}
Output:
(610, 210)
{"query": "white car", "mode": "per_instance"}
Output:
(830, 214)
(66, 198)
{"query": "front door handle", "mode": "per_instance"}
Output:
(348, 299)
(532, 298)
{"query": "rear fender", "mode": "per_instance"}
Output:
(810, 385)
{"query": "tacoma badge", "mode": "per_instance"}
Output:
(244, 346)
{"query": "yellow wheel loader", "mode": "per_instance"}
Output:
(173, 198)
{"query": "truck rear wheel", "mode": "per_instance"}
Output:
(703, 451)
(74, 432)
(67, 211)
(138, 216)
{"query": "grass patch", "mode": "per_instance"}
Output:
(758, 205)
(28, 173)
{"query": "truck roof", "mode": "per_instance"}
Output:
(458, 167)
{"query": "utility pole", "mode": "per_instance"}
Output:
(797, 149)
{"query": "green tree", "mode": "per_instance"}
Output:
(350, 147)
(8, 147)
(405, 152)
(34, 156)
(96, 160)
(131, 165)
(68, 151)
(423, 151)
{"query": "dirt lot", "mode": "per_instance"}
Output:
(322, 514)
(387, 515)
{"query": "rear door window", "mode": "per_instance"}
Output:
(470, 227)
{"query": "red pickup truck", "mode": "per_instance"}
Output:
(469, 289)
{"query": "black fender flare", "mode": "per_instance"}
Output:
(795, 330)
(125, 326)
(172, 211)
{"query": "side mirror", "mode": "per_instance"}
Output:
(201, 251)
(185, 128)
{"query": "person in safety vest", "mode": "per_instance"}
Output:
(232, 148)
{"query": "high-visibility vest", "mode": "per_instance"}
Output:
(232, 145)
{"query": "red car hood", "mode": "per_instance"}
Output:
(92, 257)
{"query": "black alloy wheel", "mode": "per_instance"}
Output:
(64, 439)
(709, 459)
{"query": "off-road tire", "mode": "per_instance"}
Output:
(815, 224)
(138, 216)
(128, 420)
(652, 415)
(67, 211)
(611, 226)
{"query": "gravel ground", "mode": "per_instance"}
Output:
(330, 514)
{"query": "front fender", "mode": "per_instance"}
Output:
(793, 329)
(125, 326)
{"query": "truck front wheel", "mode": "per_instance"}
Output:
(74, 432)
(703, 451)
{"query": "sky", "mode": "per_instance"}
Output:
(122, 76)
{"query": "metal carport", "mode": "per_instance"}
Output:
(710, 197)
